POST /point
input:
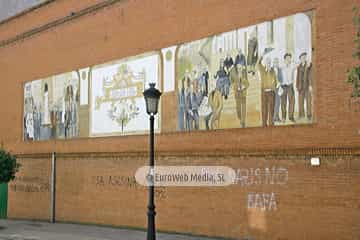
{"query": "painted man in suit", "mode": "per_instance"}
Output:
(228, 63)
(240, 83)
(252, 57)
(304, 86)
(193, 101)
(204, 82)
(181, 105)
(268, 86)
(287, 85)
(222, 80)
(240, 58)
(186, 82)
(279, 77)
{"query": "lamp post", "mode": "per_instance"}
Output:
(152, 97)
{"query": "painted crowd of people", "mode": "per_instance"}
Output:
(278, 85)
(43, 122)
(195, 100)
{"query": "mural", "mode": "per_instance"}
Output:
(51, 107)
(118, 105)
(59, 107)
(257, 76)
(260, 75)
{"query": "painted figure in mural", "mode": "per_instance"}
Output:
(228, 63)
(223, 81)
(205, 111)
(216, 103)
(57, 120)
(268, 86)
(29, 118)
(37, 122)
(194, 74)
(70, 113)
(279, 90)
(46, 127)
(46, 110)
(61, 118)
(181, 105)
(186, 80)
(287, 85)
(77, 101)
(240, 83)
(204, 82)
(240, 58)
(252, 57)
(193, 101)
(304, 86)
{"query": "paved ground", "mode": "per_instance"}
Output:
(28, 230)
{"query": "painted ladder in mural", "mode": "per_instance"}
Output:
(3, 200)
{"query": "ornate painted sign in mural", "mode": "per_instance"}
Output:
(117, 101)
(261, 75)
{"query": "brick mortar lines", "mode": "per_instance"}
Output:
(292, 153)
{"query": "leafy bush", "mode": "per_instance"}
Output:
(8, 166)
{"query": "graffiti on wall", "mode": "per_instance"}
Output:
(262, 201)
(111, 182)
(29, 184)
(261, 176)
(261, 75)
(248, 177)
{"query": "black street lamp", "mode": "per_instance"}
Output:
(152, 97)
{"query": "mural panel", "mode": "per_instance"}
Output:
(118, 105)
(257, 76)
(51, 107)
(58, 107)
(260, 75)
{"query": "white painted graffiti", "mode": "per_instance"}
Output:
(258, 176)
(262, 201)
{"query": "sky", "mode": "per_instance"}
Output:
(10, 8)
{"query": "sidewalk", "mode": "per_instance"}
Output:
(28, 230)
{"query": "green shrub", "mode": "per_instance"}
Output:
(8, 166)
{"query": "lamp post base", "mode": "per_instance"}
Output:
(151, 234)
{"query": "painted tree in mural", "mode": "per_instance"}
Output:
(354, 73)
(120, 93)
(8, 166)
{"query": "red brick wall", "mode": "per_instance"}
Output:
(315, 203)
(301, 201)
(29, 193)
(133, 27)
